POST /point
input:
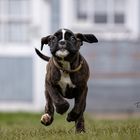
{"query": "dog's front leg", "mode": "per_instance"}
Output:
(60, 103)
(47, 118)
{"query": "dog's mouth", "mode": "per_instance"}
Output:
(62, 53)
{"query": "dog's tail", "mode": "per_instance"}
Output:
(44, 57)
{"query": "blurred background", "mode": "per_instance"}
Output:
(114, 84)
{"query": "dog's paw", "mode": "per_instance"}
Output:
(80, 127)
(62, 107)
(80, 130)
(72, 116)
(46, 119)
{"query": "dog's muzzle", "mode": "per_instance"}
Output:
(62, 53)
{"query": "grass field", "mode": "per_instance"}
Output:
(25, 126)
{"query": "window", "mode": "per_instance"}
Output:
(14, 20)
(105, 12)
(81, 10)
(100, 14)
(109, 12)
(16, 79)
(109, 19)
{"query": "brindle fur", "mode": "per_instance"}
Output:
(53, 91)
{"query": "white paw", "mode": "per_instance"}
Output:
(46, 118)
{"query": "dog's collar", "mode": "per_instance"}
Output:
(67, 70)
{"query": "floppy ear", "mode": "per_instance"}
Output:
(44, 40)
(90, 38)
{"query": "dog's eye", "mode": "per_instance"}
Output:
(54, 39)
(73, 39)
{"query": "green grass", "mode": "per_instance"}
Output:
(25, 126)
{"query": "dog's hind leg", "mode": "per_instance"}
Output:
(79, 106)
(77, 112)
(79, 124)
(47, 118)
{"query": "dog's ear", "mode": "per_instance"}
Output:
(90, 38)
(45, 40)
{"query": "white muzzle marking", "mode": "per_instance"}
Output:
(62, 53)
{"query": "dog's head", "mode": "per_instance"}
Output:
(64, 44)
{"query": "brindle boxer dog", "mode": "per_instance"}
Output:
(66, 77)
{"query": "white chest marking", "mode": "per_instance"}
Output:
(65, 79)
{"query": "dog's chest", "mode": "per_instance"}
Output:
(65, 79)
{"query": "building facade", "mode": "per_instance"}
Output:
(114, 61)
(22, 24)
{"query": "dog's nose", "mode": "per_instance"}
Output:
(62, 42)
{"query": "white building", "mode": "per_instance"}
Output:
(24, 22)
